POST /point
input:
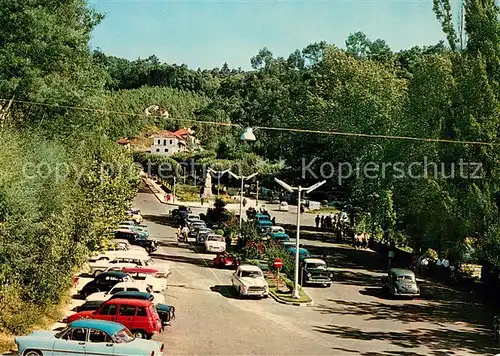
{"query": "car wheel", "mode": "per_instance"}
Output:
(33, 353)
(140, 334)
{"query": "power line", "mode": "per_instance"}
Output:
(287, 129)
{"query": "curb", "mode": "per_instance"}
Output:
(276, 298)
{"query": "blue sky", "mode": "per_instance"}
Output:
(208, 33)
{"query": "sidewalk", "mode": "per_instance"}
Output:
(160, 194)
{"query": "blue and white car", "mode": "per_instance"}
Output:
(87, 337)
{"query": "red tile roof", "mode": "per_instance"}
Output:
(181, 132)
(122, 141)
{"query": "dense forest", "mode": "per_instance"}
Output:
(50, 221)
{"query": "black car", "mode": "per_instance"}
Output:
(90, 305)
(315, 271)
(104, 282)
(136, 238)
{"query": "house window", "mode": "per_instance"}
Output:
(158, 141)
(170, 141)
(164, 142)
(157, 150)
(166, 149)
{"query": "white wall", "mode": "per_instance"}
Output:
(166, 146)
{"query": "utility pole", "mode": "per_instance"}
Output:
(173, 190)
(257, 196)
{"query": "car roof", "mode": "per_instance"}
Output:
(118, 274)
(139, 270)
(314, 260)
(132, 295)
(402, 271)
(250, 267)
(301, 250)
(135, 302)
(107, 326)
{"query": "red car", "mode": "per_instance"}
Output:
(226, 260)
(139, 316)
(145, 270)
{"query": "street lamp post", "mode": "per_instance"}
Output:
(299, 190)
(243, 179)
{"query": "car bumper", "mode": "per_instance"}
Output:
(255, 293)
(317, 281)
(215, 249)
(407, 294)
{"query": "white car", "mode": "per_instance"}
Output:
(215, 243)
(100, 261)
(128, 260)
(192, 217)
(283, 206)
(150, 276)
(133, 286)
(249, 281)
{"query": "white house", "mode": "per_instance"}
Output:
(167, 143)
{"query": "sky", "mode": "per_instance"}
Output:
(207, 33)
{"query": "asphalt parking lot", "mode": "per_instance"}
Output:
(349, 318)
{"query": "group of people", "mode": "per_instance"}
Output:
(182, 233)
(362, 240)
(337, 223)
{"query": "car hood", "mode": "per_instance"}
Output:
(254, 282)
(43, 334)
(318, 271)
(215, 243)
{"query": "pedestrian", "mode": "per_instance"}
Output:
(322, 222)
(178, 233)
(317, 221)
(244, 202)
(301, 208)
(185, 232)
(273, 220)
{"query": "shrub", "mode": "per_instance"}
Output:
(274, 250)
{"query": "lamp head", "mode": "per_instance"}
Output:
(248, 135)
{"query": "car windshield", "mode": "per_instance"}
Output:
(252, 274)
(62, 332)
(405, 278)
(215, 238)
(316, 265)
(123, 336)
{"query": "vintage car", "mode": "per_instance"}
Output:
(166, 312)
(131, 286)
(283, 206)
(303, 253)
(315, 271)
(138, 228)
(98, 260)
(274, 229)
(104, 282)
(135, 215)
(226, 260)
(91, 337)
(151, 276)
(249, 281)
(263, 224)
(262, 217)
(195, 226)
(215, 243)
(180, 213)
(279, 237)
(202, 235)
(192, 217)
(401, 283)
(140, 316)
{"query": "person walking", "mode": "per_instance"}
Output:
(322, 222)
(317, 221)
(185, 231)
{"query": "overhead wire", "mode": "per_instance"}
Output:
(287, 129)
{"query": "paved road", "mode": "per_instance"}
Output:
(350, 318)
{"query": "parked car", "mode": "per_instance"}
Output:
(118, 262)
(215, 243)
(195, 227)
(262, 217)
(279, 237)
(180, 213)
(303, 253)
(104, 282)
(91, 337)
(274, 229)
(192, 217)
(131, 286)
(138, 228)
(135, 215)
(166, 312)
(226, 260)
(400, 282)
(140, 316)
(315, 271)
(283, 206)
(263, 224)
(202, 235)
(151, 276)
(249, 281)
(288, 244)
(105, 257)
